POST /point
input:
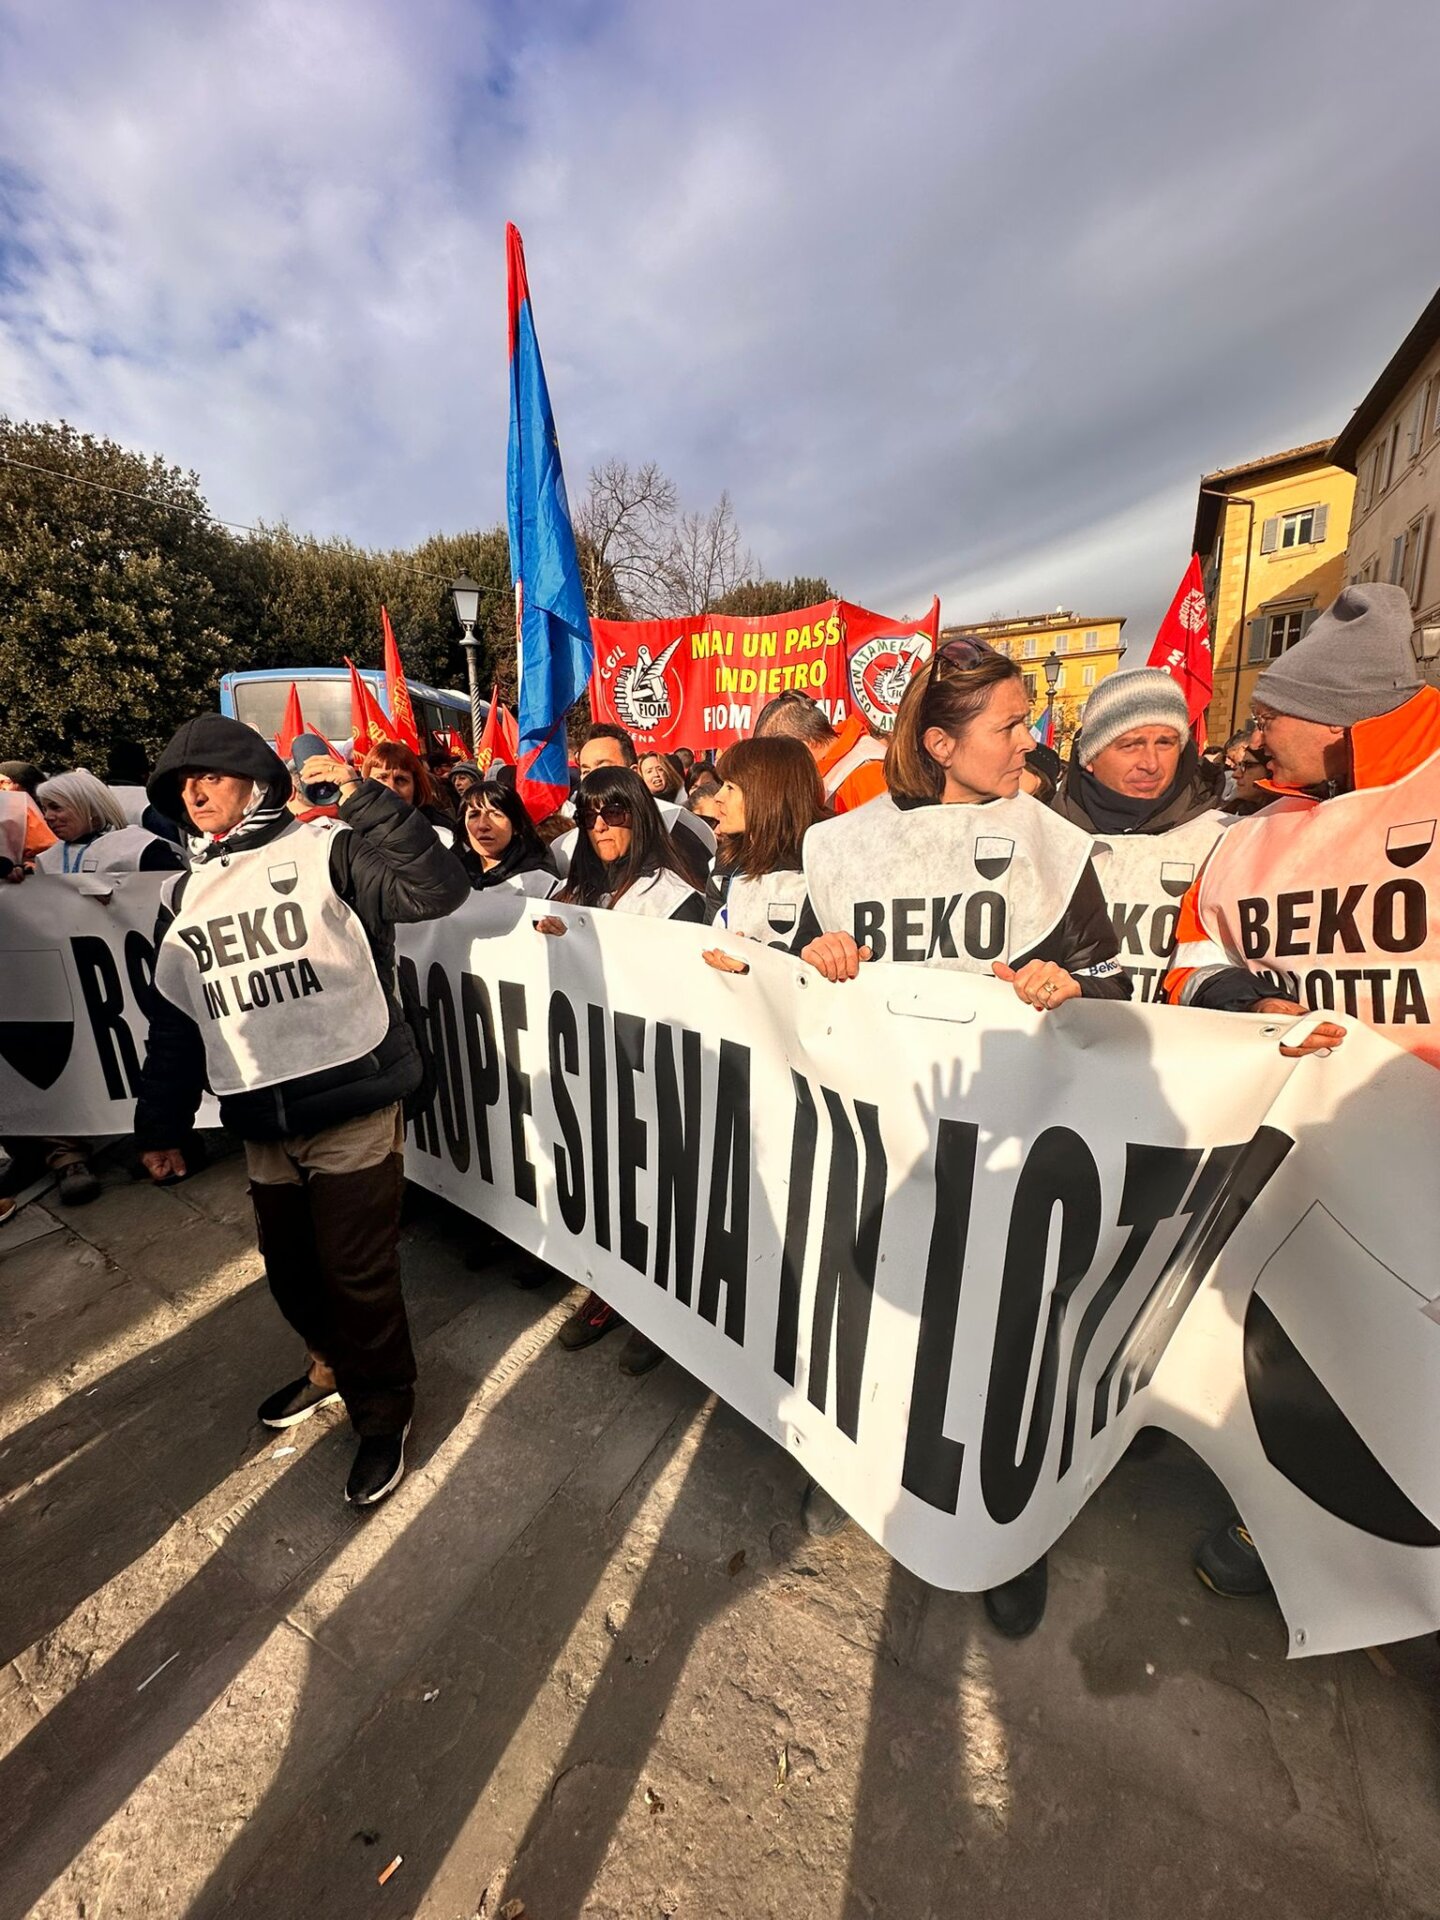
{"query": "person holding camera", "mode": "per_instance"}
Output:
(275, 987)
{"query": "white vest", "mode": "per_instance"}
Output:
(946, 886)
(117, 851)
(765, 906)
(655, 898)
(1145, 877)
(271, 964)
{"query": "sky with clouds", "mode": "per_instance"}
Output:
(955, 297)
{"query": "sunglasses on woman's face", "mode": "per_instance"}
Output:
(615, 813)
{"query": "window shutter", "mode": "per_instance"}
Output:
(1417, 422)
(1322, 516)
(1397, 559)
(1416, 582)
(1255, 646)
(1307, 620)
(1270, 534)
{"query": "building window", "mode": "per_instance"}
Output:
(1298, 529)
(1087, 678)
(1303, 527)
(1062, 642)
(1407, 558)
(1385, 459)
(1415, 434)
(1282, 630)
(1031, 688)
(1092, 645)
(1032, 648)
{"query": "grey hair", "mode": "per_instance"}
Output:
(86, 797)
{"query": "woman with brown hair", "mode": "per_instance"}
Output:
(398, 767)
(661, 774)
(770, 796)
(956, 867)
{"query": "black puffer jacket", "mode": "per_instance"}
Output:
(390, 869)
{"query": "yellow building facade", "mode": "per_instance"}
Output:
(1271, 536)
(1087, 650)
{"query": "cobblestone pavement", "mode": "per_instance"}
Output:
(586, 1660)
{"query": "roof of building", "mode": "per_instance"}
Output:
(1060, 621)
(1207, 505)
(1387, 389)
(1316, 449)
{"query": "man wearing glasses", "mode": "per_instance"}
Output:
(1329, 898)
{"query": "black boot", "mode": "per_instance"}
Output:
(1228, 1564)
(1016, 1607)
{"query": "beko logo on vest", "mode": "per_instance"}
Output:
(1360, 919)
(233, 939)
(917, 929)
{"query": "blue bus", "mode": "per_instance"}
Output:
(258, 698)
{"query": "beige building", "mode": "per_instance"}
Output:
(1271, 537)
(1086, 650)
(1392, 446)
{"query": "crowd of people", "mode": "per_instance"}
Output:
(1263, 875)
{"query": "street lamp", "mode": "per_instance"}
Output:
(1052, 680)
(465, 593)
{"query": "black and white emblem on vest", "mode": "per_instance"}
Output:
(38, 1027)
(1176, 876)
(282, 877)
(1407, 845)
(992, 855)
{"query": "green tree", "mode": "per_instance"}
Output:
(111, 620)
(754, 599)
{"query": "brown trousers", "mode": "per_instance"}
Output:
(327, 1206)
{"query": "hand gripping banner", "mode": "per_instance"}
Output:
(951, 1253)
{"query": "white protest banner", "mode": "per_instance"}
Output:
(950, 1252)
(76, 960)
(954, 1254)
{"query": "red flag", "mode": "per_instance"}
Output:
(455, 741)
(293, 723)
(402, 714)
(500, 742)
(368, 722)
(1182, 647)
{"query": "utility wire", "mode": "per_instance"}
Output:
(196, 513)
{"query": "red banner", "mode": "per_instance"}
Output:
(701, 682)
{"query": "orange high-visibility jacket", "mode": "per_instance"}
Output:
(1337, 899)
(852, 767)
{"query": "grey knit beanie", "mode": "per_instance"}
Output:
(1144, 697)
(1356, 662)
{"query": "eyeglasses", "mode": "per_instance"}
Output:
(1258, 722)
(615, 813)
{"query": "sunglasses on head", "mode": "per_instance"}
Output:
(615, 813)
(963, 654)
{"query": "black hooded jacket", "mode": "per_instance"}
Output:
(390, 869)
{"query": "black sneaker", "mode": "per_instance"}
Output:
(591, 1321)
(639, 1355)
(1229, 1565)
(820, 1515)
(295, 1403)
(1016, 1607)
(379, 1468)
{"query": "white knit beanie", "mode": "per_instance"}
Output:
(1144, 697)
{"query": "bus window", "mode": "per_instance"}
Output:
(325, 704)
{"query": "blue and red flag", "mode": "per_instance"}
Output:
(552, 626)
